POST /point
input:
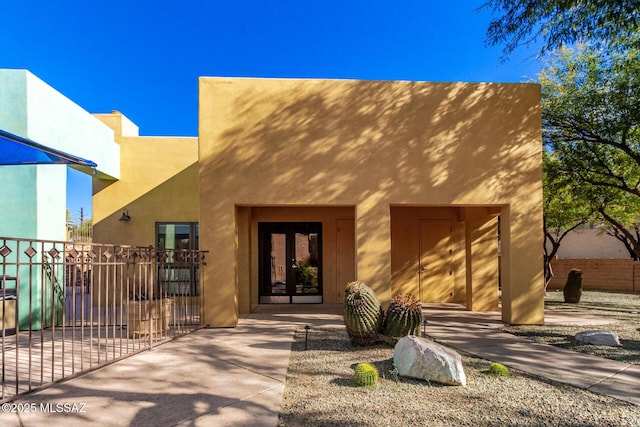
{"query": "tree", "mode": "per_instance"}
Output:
(591, 123)
(590, 107)
(630, 244)
(621, 212)
(591, 114)
(564, 210)
(562, 22)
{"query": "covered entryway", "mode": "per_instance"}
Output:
(294, 255)
(446, 254)
(290, 265)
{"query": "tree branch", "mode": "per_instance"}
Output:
(623, 230)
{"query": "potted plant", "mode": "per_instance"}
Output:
(148, 309)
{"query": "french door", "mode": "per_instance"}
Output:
(290, 265)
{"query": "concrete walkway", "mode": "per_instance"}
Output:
(479, 334)
(236, 376)
(212, 377)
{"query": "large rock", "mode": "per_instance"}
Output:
(424, 359)
(598, 338)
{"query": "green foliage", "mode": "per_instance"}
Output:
(591, 129)
(362, 314)
(573, 287)
(404, 316)
(306, 276)
(558, 23)
(590, 107)
(366, 375)
(79, 231)
(564, 208)
(498, 369)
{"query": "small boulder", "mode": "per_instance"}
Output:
(598, 338)
(424, 359)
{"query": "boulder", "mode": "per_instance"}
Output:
(598, 338)
(424, 359)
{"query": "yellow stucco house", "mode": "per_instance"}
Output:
(296, 187)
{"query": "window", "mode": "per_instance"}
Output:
(177, 235)
(178, 277)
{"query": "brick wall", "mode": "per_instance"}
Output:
(601, 274)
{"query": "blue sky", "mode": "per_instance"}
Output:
(143, 58)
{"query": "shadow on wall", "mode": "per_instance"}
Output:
(313, 142)
(172, 200)
(372, 144)
(451, 127)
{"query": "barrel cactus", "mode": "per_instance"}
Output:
(366, 375)
(573, 287)
(404, 316)
(498, 370)
(362, 314)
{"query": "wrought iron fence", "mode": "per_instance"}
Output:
(70, 307)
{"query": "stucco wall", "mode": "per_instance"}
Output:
(158, 183)
(33, 198)
(18, 201)
(57, 122)
(13, 101)
(31, 108)
(371, 144)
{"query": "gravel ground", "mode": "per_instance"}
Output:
(623, 309)
(320, 390)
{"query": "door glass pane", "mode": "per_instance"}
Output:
(306, 263)
(278, 263)
(290, 265)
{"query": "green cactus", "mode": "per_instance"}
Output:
(573, 287)
(404, 316)
(498, 369)
(362, 314)
(366, 375)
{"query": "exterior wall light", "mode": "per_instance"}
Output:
(125, 216)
